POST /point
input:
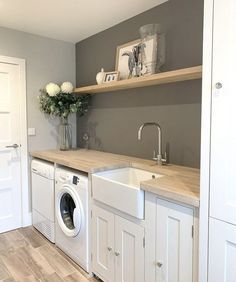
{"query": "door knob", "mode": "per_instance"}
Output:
(218, 85)
(15, 146)
(159, 264)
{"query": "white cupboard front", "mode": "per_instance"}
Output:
(222, 249)
(118, 247)
(129, 250)
(222, 228)
(223, 133)
(174, 242)
(103, 223)
(217, 255)
(169, 238)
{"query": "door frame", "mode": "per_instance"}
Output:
(26, 218)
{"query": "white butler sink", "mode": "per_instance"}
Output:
(120, 189)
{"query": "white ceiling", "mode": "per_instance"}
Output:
(69, 20)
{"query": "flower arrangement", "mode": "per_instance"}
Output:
(60, 101)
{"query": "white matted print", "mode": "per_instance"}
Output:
(147, 55)
(122, 61)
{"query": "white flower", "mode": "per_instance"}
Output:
(67, 87)
(52, 89)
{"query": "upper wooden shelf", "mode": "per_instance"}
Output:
(155, 79)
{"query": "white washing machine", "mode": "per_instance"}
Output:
(71, 209)
(42, 174)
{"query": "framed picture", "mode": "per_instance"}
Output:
(111, 76)
(125, 57)
(122, 61)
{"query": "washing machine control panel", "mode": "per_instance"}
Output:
(65, 177)
(75, 180)
(70, 179)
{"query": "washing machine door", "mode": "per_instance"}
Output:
(69, 211)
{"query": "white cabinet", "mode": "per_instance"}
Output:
(174, 242)
(130, 247)
(103, 243)
(170, 245)
(223, 133)
(222, 252)
(222, 229)
(217, 255)
(118, 247)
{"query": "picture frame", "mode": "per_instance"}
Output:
(111, 76)
(146, 60)
(122, 61)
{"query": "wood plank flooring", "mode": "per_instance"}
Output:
(26, 256)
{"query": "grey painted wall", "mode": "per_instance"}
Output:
(46, 60)
(114, 118)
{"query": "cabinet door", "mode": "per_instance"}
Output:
(222, 251)
(129, 251)
(174, 242)
(223, 135)
(103, 243)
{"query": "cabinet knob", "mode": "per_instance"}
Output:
(159, 264)
(117, 254)
(109, 249)
(218, 85)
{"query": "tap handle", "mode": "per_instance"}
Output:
(164, 161)
(154, 155)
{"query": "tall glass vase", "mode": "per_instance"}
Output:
(65, 135)
(153, 48)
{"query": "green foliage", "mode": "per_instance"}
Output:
(63, 104)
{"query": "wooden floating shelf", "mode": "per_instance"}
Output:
(155, 79)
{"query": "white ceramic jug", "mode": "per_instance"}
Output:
(100, 76)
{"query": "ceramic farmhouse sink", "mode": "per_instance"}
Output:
(120, 189)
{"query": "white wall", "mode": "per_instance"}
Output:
(46, 60)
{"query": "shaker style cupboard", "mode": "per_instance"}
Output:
(103, 241)
(223, 131)
(222, 249)
(222, 228)
(117, 247)
(169, 238)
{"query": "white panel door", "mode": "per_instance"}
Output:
(129, 251)
(103, 243)
(174, 242)
(10, 177)
(223, 136)
(222, 251)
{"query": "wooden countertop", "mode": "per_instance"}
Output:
(178, 183)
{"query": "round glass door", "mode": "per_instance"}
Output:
(67, 207)
(69, 213)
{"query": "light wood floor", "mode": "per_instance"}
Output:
(25, 255)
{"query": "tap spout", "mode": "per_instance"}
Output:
(159, 147)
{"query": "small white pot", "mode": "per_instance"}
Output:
(100, 76)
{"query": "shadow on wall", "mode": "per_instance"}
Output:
(94, 142)
(54, 127)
